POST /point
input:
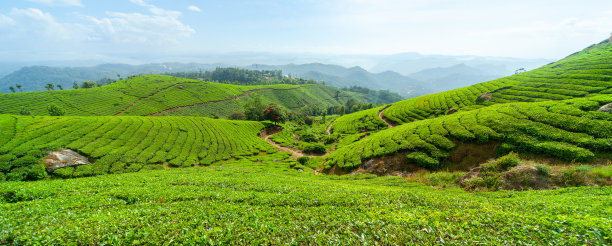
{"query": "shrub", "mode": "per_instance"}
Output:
(543, 170)
(65, 172)
(25, 161)
(508, 161)
(303, 159)
(55, 110)
(329, 139)
(36, 172)
(308, 120)
(308, 138)
(423, 160)
(315, 148)
(237, 116)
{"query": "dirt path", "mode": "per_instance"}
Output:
(329, 128)
(390, 124)
(147, 97)
(224, 100)
(295, 153)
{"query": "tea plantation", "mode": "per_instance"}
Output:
(264, 202)
(583, 74)
(571, 130)
(122, 144)
(155, 94)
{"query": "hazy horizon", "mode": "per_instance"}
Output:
(168, 31)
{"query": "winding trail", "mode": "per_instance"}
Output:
(147, 97)
(328, 130)
(295, 153)
(390, 124)
(246, 93)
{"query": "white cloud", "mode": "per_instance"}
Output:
(59, 2)
(160, 26)
(194, 8)
(156, 10)
(6, 21)
(32, 20)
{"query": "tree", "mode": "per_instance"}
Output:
(89, 84)
(237, 116)
(19, 87)
(253, 110)
(24, 111)
(273, 113)
(50, 86)
(12, 89)
(55, 110)
(75, 85)
(60, 87)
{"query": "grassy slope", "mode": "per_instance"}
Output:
(319, 95)
(124, 143)
(571, 130)
(549, 111)
(246, 203)
(583, 74)
(114, 98)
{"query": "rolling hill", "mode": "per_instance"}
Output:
(558, 111)
(156, 94)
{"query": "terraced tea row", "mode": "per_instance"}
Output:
(263, 202)
(120, 144)
(586, 73)
(141, 95)
(571, 130)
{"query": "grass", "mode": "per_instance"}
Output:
(260, 201)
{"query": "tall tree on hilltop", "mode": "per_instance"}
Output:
(12, 89)
(50, 87)
(19, 87)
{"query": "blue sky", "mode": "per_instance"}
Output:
(107, 29)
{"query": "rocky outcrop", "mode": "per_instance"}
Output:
(64, 158)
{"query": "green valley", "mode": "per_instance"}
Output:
(268, 159)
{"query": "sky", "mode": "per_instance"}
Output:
(114, 29)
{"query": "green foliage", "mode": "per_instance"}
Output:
(308, 137)
(576, 133)
(316, 148)
(120, 144)
(240, 76)
(55, 110)
(508, 161)
(303, 159)
(237, 116)
(273, 113)
(159, 207)
(423, 160)
(582, 75)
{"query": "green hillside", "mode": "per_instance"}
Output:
(155, 94)
(583, 74)
(252, 202)
(553, 111)
(570, 130)
(122, 144)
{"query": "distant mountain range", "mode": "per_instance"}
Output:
(408, 74)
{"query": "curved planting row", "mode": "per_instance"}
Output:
(583, 74)
(141, 95)
(571, 130)
(120, 144)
